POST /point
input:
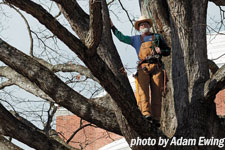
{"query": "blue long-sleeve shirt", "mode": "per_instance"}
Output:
(135, 41)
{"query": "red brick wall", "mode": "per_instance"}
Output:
(89, 138)
(220, 103)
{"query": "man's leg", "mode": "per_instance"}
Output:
(156, 84)
(143, 103)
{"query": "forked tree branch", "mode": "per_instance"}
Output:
(57, 90)
(76, 17)
(6, 84)
(30, 135)
(51, 113)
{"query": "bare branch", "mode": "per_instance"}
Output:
(28, 28)
(212, 66)
(22, 82)
(59, 13)
(51, 112)
(218, 2)
(30, 135)
(95, 28)
(110, 2)
(5, 84)
(52, 24)
(126, 13)
(68, 68)
(215, 84)
(75, 132)
(216, 31)
(219, 57)
(56, 89)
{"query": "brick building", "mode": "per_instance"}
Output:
(215, 45)
(220, 104)
(88, 138)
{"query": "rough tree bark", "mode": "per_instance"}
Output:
(188, 111)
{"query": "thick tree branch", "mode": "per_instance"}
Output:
(29, 135)
(7, 145)
(218, 2)
(215, 84)
(68, 68)
(22, 82)
(19, 80)
(212, 66)
(76, 17)
(5, 84)
(79, 22)
(52, 24)
(57, 90)
(95, 28)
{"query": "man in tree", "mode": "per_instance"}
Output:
(150, 47)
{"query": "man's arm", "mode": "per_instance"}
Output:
(161, 43)
(120, 36)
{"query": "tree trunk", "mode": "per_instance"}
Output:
(186, 112)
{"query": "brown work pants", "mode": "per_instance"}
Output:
(150, 82)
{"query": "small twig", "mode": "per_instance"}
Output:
(219, 57)
(218, 32)
(28, 28)
(8, 104)
(59, 13)
(51, 112)
(75, 132)
(126, 13)
(110, 2)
